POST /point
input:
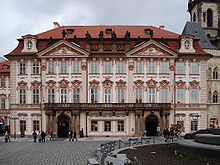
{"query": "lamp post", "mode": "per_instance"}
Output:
(14, 118)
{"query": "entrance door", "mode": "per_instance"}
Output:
(151, 124)
(63, 126)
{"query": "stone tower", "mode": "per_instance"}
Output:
(207, 13)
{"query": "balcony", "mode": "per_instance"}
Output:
(107, 106)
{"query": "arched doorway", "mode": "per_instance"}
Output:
(151, 124)
(63, 126)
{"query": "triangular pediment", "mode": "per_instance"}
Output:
(63, 48)
(151, 48)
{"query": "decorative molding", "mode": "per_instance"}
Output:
(107, 83)
(63, 50)
(139, 84)
(94, 84)
(22, 85)
(35, 84)
(120, 84)
(164, 83)
(76, 84)
(180, 84)
(151, 83)
(149, 51)
(63, 83)
(194, 84)
(83, 65)
(51, 84)
(131, 66)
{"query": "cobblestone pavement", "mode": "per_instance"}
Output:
(22, 151)
(57, 152)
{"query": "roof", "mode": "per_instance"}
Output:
(120, 31)
(195, 29)
(5, 66)
(172, 39)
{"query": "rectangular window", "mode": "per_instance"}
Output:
(107, 126)
(35, 95)
(164, 95)
(94, 95)
(36, 125)
(63, 67)
(152, 95)
(120, 67)
(194, 95)
(194, 68)
(151, 67)
(107, 95)
(120, 95)
(51, 67)
(22, 96)
(180, 95)
(76, 95)
(139, 95)
(22, 125)
(63, 95)
(107, 67)
(139, 67)
(194, 125)
(51, 96)
(2, 103)
(94, 125)
(164, 67)
(180, 68)
(2, 82)
(22, 68)
(121, 125)
(76, 67)
(94, 67)
(36, 68)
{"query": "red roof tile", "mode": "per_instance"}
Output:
(2, 68)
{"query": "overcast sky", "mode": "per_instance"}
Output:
(21, 17)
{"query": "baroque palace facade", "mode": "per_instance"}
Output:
(104, 81)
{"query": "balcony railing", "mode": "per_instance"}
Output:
(107, 105)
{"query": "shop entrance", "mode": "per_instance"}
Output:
(63, 126)
(151, 124)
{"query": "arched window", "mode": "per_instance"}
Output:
(209, 73)
(2, 103)
(194, 17)
(215, 73)
(209, 18)
(215, 97)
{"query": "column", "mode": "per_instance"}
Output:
(77, 124)
(164, 121)
(136, 124)
(141, 125)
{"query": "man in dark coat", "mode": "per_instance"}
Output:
(34, 136)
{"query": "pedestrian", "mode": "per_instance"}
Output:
(43, 135)
(7, 137)
(39, 136)
(70, 135)
(34, 136)
(74, 136)
(51, 136)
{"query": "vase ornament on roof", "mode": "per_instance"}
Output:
(35, 84)
(180, 84)
(164, 83)
(120, 84)
(22, 85)
(76, 84)
(94, 84)
(139, 84)
(151, 83)
(51, 83)
(194, 84)
(83, 65)
(63, 83)
(107, 83)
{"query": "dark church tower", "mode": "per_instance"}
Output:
(207, 12)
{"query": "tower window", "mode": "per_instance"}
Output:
(209, 18)
(204, 16)
(194, 17)
(215, 73)
(215, 97)
(29, 44)
(187, 44)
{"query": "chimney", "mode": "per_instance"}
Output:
(56, 25)
(162, 27)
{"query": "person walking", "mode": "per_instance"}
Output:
(43, 135)
(34, 136)
(74, 136)
(7, 137)
(70, 135)
(51, 136)
(39, 136)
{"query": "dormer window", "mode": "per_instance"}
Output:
(187, 44)
(108, 31)
(29, 44)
